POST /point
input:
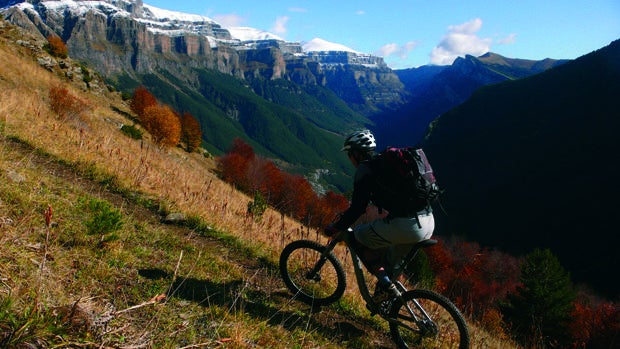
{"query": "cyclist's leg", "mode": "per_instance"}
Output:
(398, 235)
(372, 251)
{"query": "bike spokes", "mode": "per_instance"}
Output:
(428, 320)
(313, 274)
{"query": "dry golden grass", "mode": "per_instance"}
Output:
(179, 181)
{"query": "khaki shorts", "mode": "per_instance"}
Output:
(396, 234)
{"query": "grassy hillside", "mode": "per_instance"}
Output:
(101, 270)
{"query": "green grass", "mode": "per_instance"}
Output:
(215, 288)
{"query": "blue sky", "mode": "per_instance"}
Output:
(410, 33)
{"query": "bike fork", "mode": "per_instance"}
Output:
(421, 321)
(314, 273)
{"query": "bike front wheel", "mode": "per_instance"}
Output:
(313, 276)
(425, 319)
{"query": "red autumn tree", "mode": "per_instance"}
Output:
(235, 164)
(476, 278)
(233, 169)
(595, 323)
(265, 177)
(296, 193)
(290, 194)
(242, 148)
(191, 134)
(326, 208)
(141, 100)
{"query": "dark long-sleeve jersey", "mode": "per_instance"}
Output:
(363, 187)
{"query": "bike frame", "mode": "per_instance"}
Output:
(361, 279)
(357, 267)
(404, 309)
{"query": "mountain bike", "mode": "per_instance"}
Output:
(417, 318)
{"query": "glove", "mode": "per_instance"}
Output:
(330, 230)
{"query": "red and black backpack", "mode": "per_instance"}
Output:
(405, 181)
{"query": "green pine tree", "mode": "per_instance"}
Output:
(540, 310)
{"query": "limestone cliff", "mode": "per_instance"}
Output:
(118, 37)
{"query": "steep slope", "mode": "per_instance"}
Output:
(438, 89)
(209, 282)
(532, 163)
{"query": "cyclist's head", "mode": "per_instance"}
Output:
(360, 141)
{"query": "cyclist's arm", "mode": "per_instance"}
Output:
(362, 188)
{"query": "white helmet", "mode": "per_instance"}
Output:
(360, 140)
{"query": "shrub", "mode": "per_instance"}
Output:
(104, 219)
(132, 131)
(86, 77)
(65, 104)
(257, 207)
(56, 47)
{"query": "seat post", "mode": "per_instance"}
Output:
(414, 251)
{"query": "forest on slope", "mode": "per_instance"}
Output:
(531, 163)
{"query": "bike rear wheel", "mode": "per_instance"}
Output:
(427, 320)
(314, 280)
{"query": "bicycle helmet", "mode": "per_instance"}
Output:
(360, 140)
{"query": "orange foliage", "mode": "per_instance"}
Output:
(57, 47)
(163, 125)
(141, 100)
(65, 104)
(191, 134)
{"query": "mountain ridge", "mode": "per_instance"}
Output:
(435, 90)
(535, 157)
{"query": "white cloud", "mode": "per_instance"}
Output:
(360, 12)
(279, 27)
(393, 49)
(229, 21)
(460, 40)
(297, 9)
(510, 39)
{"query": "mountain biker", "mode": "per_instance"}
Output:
(383, 243)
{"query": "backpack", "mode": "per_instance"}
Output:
(405, 181)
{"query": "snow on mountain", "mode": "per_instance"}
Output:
(252, 34)
(79, 7)
(166, 15)
(318, 44)
(175, 23)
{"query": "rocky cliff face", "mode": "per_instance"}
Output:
(121, 36)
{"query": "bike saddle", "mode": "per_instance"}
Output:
(425, 243)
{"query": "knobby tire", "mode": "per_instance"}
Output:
(325, 287)
(447, 330)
